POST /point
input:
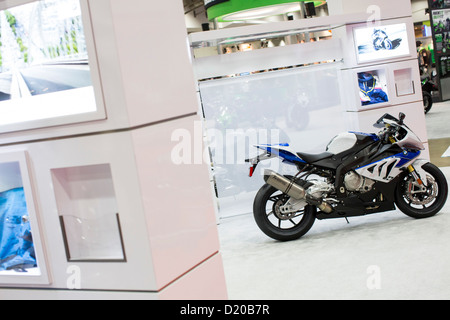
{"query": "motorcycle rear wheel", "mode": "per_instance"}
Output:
(427, 101)
(426, 204)
(278, 226)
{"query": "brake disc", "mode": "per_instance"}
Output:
(420, 196)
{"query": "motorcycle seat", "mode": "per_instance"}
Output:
(311, 158)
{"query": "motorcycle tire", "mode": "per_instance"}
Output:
(427, 101)
(387, 44)
(423, 204)
(273, 223)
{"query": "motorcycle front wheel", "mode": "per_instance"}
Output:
(418, 203)
(277, 225)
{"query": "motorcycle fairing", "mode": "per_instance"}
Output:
(389, 168)
(281, 150)
(365, 145)
(272, 151)
(368, 157)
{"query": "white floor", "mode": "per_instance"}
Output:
(383, 256)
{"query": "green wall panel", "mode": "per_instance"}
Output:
(232, 6)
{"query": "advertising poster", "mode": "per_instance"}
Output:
(439, 4)
(444, 67)
(16, 243)
(372, 87)
(441, 28)
(380, 43)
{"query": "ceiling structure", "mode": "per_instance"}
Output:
(193, 5)
(196, 14)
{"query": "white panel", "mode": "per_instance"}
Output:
(156, 71)
(205, 282)
(277, 57)
(177, 196)
(384, 8)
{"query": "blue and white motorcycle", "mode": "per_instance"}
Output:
(359, 174)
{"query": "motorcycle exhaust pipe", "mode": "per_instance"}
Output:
(293, 190)
(284, 185)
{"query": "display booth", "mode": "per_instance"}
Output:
(92, 204)
(330, 74)
(439, 12)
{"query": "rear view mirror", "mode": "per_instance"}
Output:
(402, 117)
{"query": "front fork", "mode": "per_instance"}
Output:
(419, 175)
(415, 175)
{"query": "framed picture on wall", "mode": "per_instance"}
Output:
(381, 42)
(22, 258)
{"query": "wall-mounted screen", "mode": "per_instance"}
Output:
(381, 42)
(45, 70)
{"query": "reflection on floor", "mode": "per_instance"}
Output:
(383, 256)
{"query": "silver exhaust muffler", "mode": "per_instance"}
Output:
(293, 190)
(284, 185)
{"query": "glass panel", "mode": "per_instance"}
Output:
(88, 212)
(17, 254)
(299, 106)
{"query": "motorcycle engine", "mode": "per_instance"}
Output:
(358, 183)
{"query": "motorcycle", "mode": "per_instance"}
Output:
(359, 174)
(428, 87)
(381, 40)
